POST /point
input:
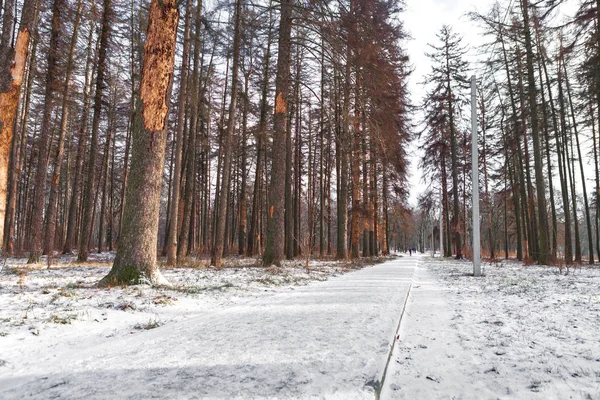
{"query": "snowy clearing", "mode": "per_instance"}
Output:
(520, 332)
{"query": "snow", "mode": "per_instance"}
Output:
(520, 332)
(235, 332)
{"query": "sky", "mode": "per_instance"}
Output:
(423, 19)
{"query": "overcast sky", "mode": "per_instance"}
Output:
(423, 19)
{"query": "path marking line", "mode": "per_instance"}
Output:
(387, 363)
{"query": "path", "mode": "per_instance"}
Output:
(327, 340)
(429, 362)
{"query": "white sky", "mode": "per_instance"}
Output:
(423, 19)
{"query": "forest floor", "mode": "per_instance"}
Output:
(229, 333)
(46, 312)
(519, 332)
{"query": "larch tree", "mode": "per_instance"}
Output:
(447, 95)
(12, 71)
(274, 247)
(135, 261)
(88, 197)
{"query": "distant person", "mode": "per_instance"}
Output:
(410, 251)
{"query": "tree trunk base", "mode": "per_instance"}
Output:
(131, 275)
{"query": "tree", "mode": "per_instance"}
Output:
(276, 213)
(12, 70)
(226, 140)
(181, 109)
(446, 96)
(136, 255)
(88, 199)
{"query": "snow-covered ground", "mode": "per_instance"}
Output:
(519, 332)
(329, 339)
(46, 312)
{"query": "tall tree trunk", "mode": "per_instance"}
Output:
(588, 218)
(104, 177)
(323, 159)
(136, 255)
(446, 207)
(23, 166)
(45, 142)
(595, 142)
(254, 238)
(298, 178)
(568, 249)
(342, 147)
(289, 209)
(12, 70)
(454, 163)
(53, 200)
(181, 111)
(88, 199)
(243, 223)
(568, 164)
(186, 222)
(276, 201)
(537, 154)
(19, 154)
(523, 165)
(226, 141)
(81, 145)
(517, 180)
(385, 250)
(136, 52)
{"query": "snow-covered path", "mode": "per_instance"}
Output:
(519, 332)
(327, 340)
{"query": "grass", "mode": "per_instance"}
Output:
(190, 290)
(62, 320)
(151, 324)
(62, 292)
(163, 300)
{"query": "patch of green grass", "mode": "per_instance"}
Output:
(62, 320)
(126, 306)
(62, 293)
(268, 281)
(201, 289)
(152, 324)
(163, 300)
(75, 285)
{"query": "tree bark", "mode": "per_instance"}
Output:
(81, 146)
(53, 200)
(135, 261)
(12, 70)
(88, 199)
(276, 200)
(588, 218)
(226, 141)
(537, 155)
(45, 135)
(181, 104)
(254, 236)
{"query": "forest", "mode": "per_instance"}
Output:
(168, 131)
(281, 199)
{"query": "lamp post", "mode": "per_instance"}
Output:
(475, 179)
